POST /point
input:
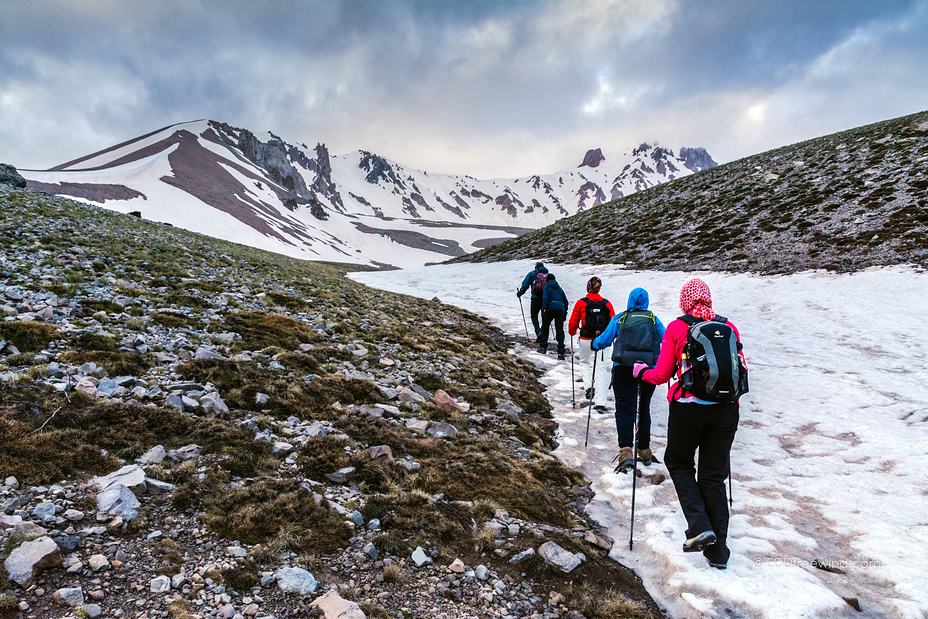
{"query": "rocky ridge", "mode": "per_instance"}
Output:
(842, 202)
(197, 429)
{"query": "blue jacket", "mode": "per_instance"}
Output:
(527, 282)
(554, 299)
(637, 300)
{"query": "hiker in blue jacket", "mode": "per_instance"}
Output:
(635, 336)
(536, 294)
(553, 308)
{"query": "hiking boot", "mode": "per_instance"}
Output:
(588, 393)
(695, 544)
(600, 408)
(645, 456)
(626, 460)
(718, 566)
(560, 356)
(543, 349)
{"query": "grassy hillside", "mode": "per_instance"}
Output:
(305, 427)
(842, 202)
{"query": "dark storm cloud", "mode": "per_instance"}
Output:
(487, 88)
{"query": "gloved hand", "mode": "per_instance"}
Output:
(638, 370)
(518, 294)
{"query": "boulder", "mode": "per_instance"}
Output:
(117, 500)
(419, 557)
(405, 394)
(295, 580)
(161, 584)
(333, 606)
(213, 405)
(26, 531)
(563, 559)
(382, 453)
(9, 176)
(443, 401)
(132, 476)
(26, 561)
(155, 455)
(441, 430)
(342, 475)
(188, 452)
(69, 596)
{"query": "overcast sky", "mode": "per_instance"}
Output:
(490, 88)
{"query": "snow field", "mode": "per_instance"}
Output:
(829, 463)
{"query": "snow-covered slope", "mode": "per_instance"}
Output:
(828, 465)
(259, 190)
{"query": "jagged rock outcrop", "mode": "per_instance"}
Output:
(593, 158)
(9, 176)
(696, 159)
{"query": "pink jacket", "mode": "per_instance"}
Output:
(668, 363)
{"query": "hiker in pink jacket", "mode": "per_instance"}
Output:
(696, 424)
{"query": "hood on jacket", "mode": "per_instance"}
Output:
(638, 299)
(542, 269)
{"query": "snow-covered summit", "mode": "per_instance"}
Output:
(360, 207)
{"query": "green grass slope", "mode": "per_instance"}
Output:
(842, 202)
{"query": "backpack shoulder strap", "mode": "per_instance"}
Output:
(689, 319)
(720, 318)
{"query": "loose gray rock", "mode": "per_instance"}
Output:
(117, 500)
(161, 584)
(525, 555)
(213, 405)
(295, 580)
(69, 596)
(26, 561)
(132, 476)
(155, 455)
(441, 430)
(419, 557)
(188, 452)
(565, 560)
(342, 475)
(26, 531)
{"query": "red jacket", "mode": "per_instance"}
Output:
(578, 316)
(668, 363)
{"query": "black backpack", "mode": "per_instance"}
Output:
(711, 368)
(596, 320)
(636, 341)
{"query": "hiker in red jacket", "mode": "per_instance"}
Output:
(590, 317)
(696, 424)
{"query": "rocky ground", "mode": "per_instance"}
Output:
(191, 428)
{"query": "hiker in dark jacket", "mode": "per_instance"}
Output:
(696, 424)
(625, 385)
(536, 294)
(553, 309)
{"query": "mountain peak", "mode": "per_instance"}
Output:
(593, 158)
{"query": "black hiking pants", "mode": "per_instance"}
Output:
(557, 317)
(535, 310)
(710, 428)
(625, 388)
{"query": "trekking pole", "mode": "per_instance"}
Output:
(524, 324)
(631, 527)
(731, 501)
(573, 384)
(589, 412)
